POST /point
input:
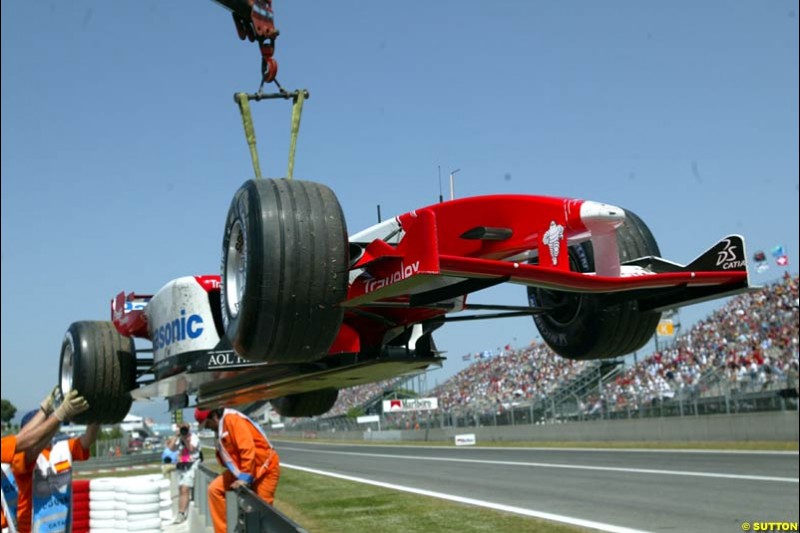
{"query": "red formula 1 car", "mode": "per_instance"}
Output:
(300, 310)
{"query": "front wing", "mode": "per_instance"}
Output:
(419, 265)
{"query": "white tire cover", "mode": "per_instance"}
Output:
(150, 477)
(139, 508)
(104, 530)
(102, 505)
(165, 514)
(140, 525)
(164, 504)
(165, 494)
(141, 498)
(102, 524)
(142, 517)
(143, 487)
(120, 514)
(163, 483)
(102, 514)
(101, 496)
(103, 483)
(121, 524)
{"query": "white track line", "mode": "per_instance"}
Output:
(558, 465)
(551, 449)
(479, 503)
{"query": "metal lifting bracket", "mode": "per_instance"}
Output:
(243, 101)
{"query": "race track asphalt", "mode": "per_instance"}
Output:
(643, 490)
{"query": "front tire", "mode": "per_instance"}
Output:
(582, 326)
(100, 364)
(284, 270)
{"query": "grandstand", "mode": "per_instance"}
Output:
(366, 398)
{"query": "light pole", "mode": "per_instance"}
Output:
(452, 191)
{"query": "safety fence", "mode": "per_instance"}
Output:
(123, 461)
(682, 403)
(110, 448)
(245, 509)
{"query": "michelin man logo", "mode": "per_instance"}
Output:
(552, 238)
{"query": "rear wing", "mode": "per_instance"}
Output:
(128, 316)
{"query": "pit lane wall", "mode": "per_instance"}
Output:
(776, 426)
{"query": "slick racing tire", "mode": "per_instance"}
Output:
(312, 403)
(284, 270)
(582, 326)
(100, 364)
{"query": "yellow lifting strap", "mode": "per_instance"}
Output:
(249, 130)
(297, 112)
(243, 100)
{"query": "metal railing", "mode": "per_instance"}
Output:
(101, 463)
(244, 508)
(251, 514)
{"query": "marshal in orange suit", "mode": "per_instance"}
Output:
(244, 450)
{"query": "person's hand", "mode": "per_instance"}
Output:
(48, 404)
(73, 404)
(238, 483)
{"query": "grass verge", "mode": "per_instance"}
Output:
(327, 505)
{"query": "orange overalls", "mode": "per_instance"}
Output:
(23, 472)
(9, 448)
(245, 451)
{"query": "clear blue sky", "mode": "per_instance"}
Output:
(121, 146)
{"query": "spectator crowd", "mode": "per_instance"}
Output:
(359, 395)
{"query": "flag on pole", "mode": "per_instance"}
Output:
(782, 261)
(466, 357)
(778, 251)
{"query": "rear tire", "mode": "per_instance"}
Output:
(581, 326)
(312, 403)
(284, 270)
(100, 364)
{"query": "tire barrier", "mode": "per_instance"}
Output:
(114, 505)
(80, 506)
